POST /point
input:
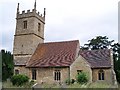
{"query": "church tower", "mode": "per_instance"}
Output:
(29, 33)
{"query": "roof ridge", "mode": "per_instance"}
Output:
(96, 50)
(61, 41)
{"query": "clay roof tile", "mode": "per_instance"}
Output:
(54, 54)
(97, 58)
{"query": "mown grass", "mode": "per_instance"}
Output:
(8, 84)
(91, 85)
(77, 85)
(100, 85)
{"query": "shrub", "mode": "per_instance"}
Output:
(19, 79)
(82, 78)
(69, 81)
(72, 81)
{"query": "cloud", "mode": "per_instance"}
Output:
(83, 29)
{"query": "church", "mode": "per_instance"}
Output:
(51, 62)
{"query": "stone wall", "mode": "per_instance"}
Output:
(21, 59)
(23, 70)
(46, 75)
(26, 44)
(32, 26)
(107, 75)
(80, 64)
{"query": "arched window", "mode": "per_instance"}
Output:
(34, 74)
(101, 75)
(57, 75)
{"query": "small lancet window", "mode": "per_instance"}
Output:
(39, 26)
(57, 75)
(25, 24)
(34, 74)
(101, 75)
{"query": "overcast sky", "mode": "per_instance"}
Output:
(65, 19)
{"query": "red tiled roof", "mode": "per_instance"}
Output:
(97, 58)
(54, 54)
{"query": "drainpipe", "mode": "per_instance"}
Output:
(69, 72)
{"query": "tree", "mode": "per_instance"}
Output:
(98, 43)
(7, 64)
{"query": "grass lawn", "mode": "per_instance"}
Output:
(90, 85)
(99, 85)
(8, 84)
(77, 85)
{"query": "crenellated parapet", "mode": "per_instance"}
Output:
(31, 13)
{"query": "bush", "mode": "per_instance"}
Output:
(82, 78)
(69, 81)
(19, 79)
(72, 81)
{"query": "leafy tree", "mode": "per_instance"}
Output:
(7, 64)
(98, 43)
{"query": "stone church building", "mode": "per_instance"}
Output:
(53, 62)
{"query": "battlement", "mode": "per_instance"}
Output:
(28, 13)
